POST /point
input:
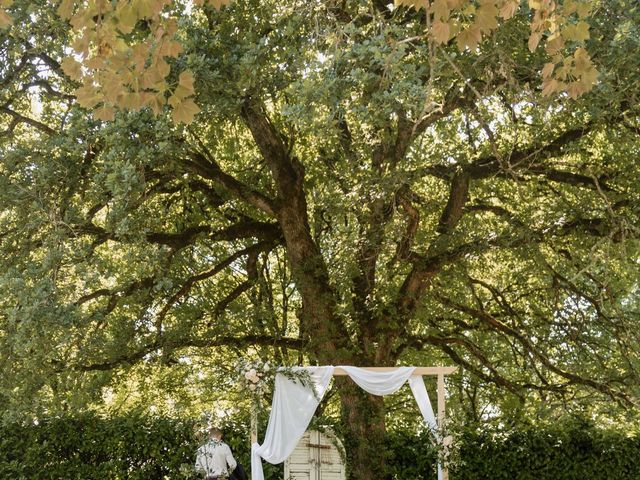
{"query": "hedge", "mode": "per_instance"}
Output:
(570, 450)
(137, 447)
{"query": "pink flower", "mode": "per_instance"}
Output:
(252, 375)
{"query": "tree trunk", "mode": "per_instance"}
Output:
(365, 432)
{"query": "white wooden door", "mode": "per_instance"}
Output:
(329, 464)
(316, 457)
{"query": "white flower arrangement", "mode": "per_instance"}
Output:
(258, 377)
(255, 376)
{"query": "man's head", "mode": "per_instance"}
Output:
(215, 433)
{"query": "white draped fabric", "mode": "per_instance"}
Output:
(293, 407)
(379, 383)
(416, 383)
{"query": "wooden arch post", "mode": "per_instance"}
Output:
(440, 372)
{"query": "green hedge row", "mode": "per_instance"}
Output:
(562, 452)
(138, 447)
(88, 447)
(566, 451)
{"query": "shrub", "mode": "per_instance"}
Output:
(143, 447)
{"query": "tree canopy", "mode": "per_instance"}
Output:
(120, 48)
(351, 192)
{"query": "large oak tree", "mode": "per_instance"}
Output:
(351, 193)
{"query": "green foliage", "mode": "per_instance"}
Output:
(125, 278)
(90, 447)
(137, 447)
(568, 450)
(132, 446)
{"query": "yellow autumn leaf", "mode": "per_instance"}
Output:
(119, 61)
(127, 18)
(120, 47)
(535, 4)
(441, 31)
(403, 3)
(171, 49)
(88, 96)
(562, 73)
(185, 111)
(509, 9)
(71, 68)
(170, 27)
(469, 38)
(575, 89)
(175, 100)
(155, 102)
(96, 63)
(81, 20)
(582, 31)
(576, 32)
(554, 45)
(180, 93)
(185, 81)
(456, 4)
(550, 86)
(81, 44)
(534, 40)
(547, 71)
(440, 10)
(569, 7)
(583, 67)
(151, 77)
(6, 3)
(163, 68)
(65, 9)
(104, 113)
(589, 76)
(553, 24)
(486, 17)
(5, 19)
(584, 9)
(221, 3)
(144, 8)
(127, 77)
(113, 88)
(131, 101)
(140, 53)
(557, 58)
(537, 24)
(158, 5)
(581, 54)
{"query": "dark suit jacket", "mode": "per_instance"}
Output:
(238, 473)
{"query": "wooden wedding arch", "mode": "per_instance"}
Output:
(439, 372)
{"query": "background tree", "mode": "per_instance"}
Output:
(350, 193)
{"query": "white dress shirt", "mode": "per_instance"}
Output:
(214, 457)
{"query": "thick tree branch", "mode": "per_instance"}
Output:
(458, 196)
(413, 221)
(29, 121)
(138, 355)
(526, 343)
(209, 169)
(176, 240)
(189, 283)
(287, 171)
(530, 157)
(308, 266)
